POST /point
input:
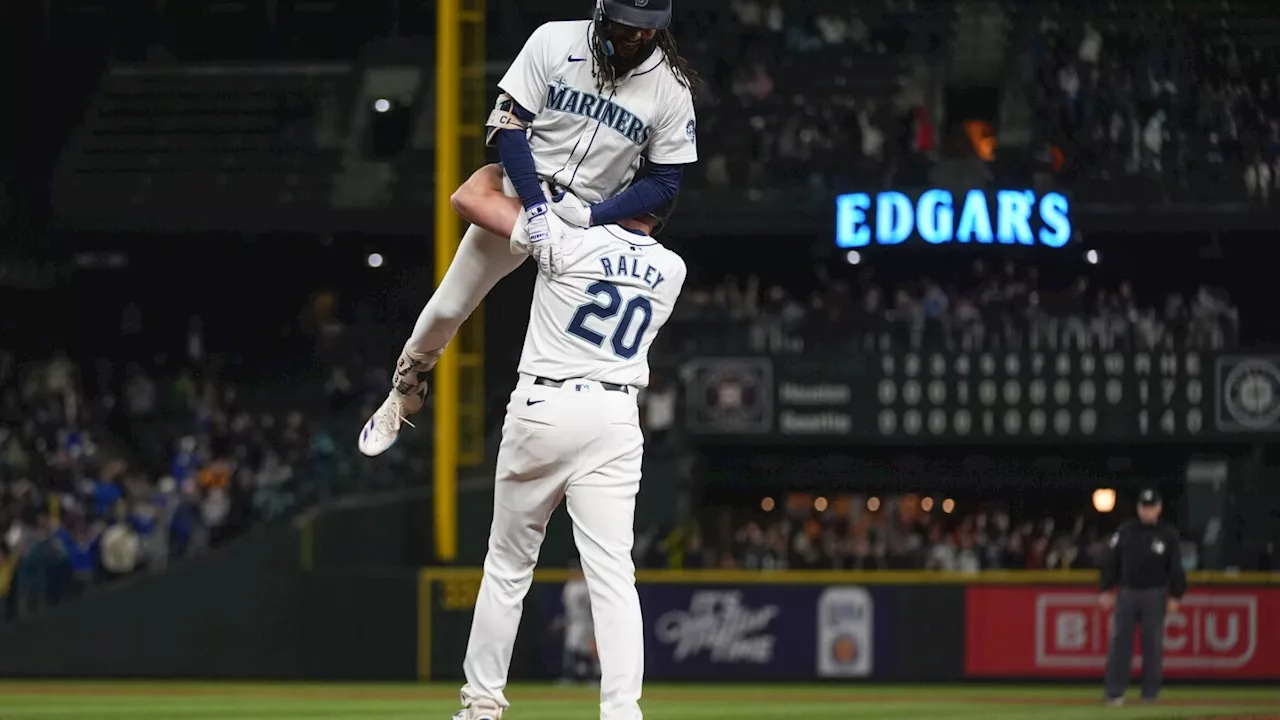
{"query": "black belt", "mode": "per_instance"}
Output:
(612, 387)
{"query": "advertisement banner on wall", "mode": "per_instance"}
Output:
(845, 632)
(743, 632)
(1058, 632)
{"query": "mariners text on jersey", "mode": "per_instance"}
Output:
(588, 139)
(562, 98)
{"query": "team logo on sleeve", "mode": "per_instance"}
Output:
(691, 131)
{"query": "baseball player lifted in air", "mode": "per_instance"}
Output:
(582, 107)
(572, 432)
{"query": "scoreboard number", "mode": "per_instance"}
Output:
(1059, 394)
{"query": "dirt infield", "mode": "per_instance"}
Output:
(283, 692)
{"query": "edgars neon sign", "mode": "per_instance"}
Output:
(1005, 217)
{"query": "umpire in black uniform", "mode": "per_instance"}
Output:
(1146, 565)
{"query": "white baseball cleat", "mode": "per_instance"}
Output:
(408, 393)
(380, 433)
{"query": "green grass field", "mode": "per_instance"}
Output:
(21, 700)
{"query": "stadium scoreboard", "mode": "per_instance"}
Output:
(1002, 396)
(902, 395)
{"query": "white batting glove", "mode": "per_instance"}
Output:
(547, 255)
(571, 209)
(537, 227)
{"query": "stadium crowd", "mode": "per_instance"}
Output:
(802, 100)
(82, 504)
(979, 306)
(898, 532)
(815, 97)
(1172, 95)
(113, 466)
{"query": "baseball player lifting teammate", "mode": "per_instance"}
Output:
(572, 433)
(583, 106)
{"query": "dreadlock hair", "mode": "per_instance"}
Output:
(687, 76)
(606, 74)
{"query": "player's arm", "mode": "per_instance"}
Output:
(481, 202)
(506, 128)
(657, 189)
(523, 88)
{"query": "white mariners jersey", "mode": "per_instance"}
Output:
(589, 141)
(596, 315)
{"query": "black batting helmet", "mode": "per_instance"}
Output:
(643, 14)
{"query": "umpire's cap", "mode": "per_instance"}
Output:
(644, 14)
(1150, 496)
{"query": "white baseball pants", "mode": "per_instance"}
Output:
(583, 444)
(481, 261)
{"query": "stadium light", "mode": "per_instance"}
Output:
(1092, 257)
(820, 504)
(381, 105)
(948, 506)
(853, 257)
(374, 260)
(767, 504)
(1104, 500)
(873, 504)
(927, 504)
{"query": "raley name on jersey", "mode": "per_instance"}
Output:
(562, 98)
(627, 266)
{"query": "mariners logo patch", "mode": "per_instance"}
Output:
(1250, 394)
(691, 131)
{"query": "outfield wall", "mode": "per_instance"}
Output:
(884, 626)
(252, 612)
(246, 611)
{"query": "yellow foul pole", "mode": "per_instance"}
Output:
(459, 377)
(447, 235)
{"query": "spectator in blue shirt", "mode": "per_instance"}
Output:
(79, 543)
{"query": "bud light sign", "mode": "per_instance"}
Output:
(937, 217)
